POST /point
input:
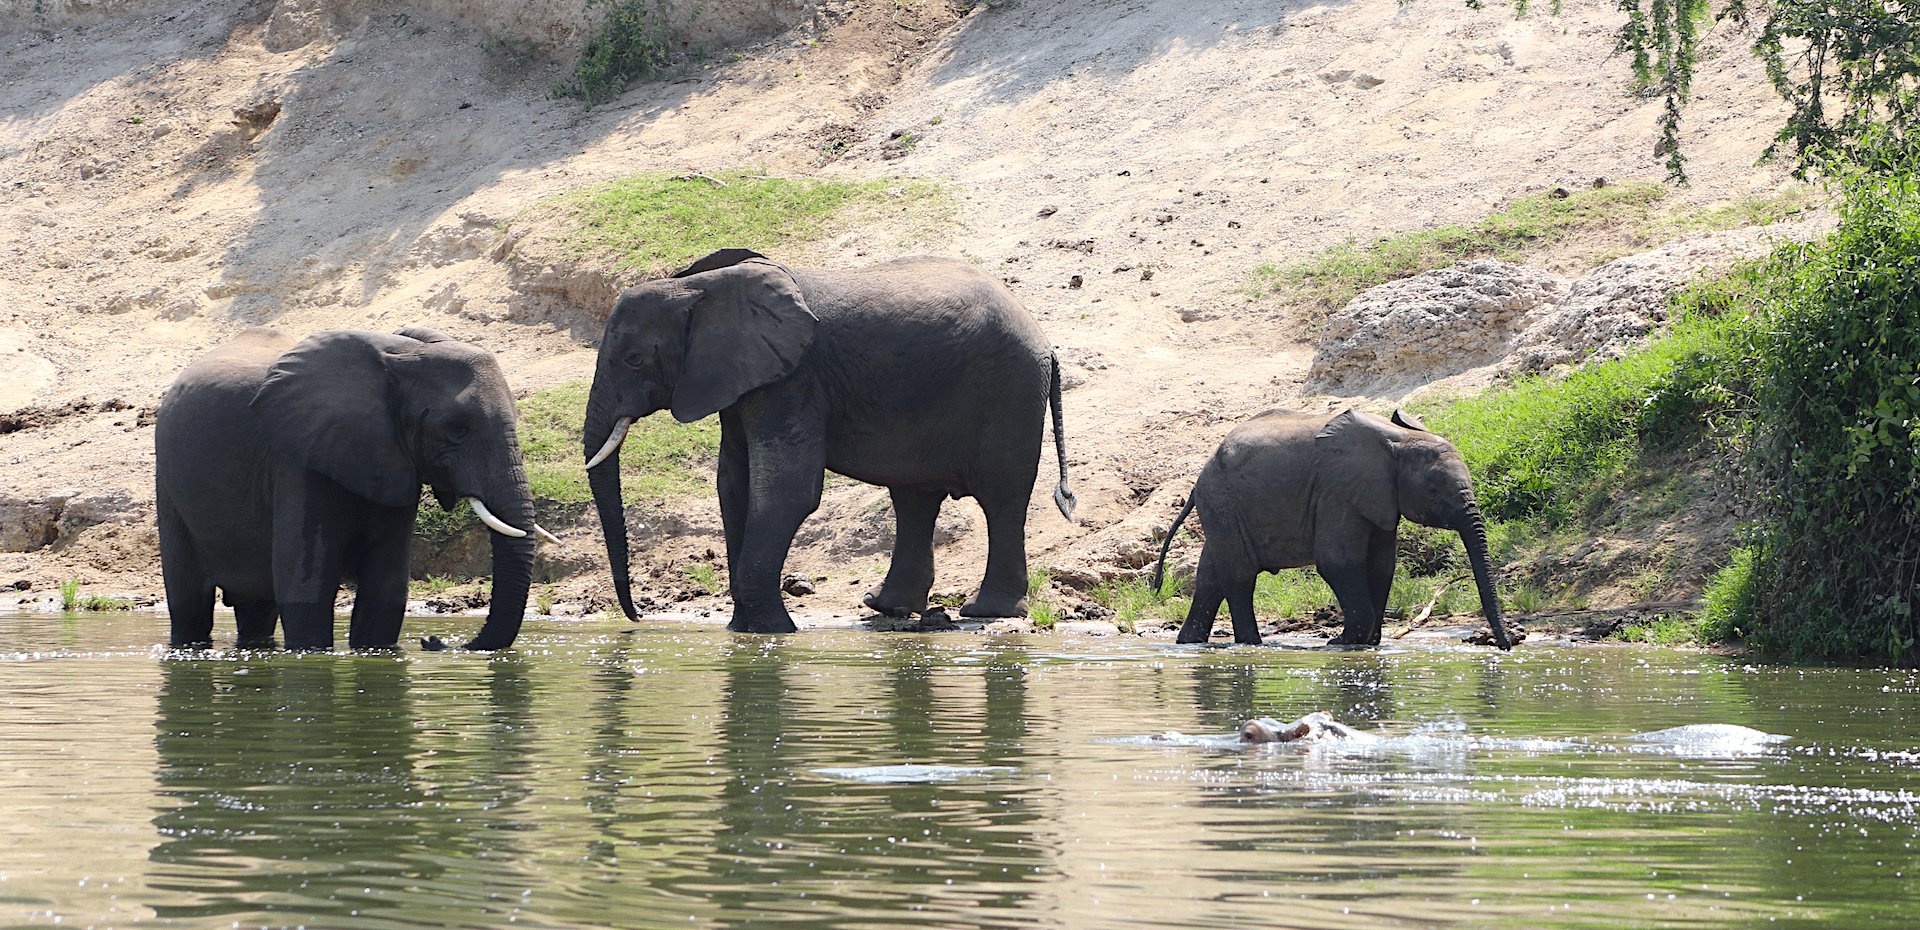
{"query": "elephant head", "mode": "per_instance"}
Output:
(695, 344)
(1403, 470)
(383, 414)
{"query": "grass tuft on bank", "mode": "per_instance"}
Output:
(654, 224)
(1517, 232)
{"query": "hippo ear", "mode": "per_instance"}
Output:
(327, 405)
(724, 258)
(750, 327)
(1356, 464)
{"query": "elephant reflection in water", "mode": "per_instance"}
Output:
(282, 760)
(776, 722)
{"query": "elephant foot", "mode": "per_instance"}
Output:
(984, 606)
(761, 621)
(894, 604)
(1351, 641)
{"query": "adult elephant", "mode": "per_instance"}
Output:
(1287, 489)
(922, 374)
(282, 467)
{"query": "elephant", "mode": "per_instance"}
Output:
(281, 467)
(1317, 727)
(923, 375)
(1287, 489)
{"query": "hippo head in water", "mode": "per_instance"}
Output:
(1315, 727)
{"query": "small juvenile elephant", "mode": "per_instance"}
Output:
(281, 467)
(1287, 489)
(923, 375)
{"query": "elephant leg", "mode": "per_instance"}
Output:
(1381, 554)
(785, 467)
(380, 599)
(1352, 586)
(1208, 591)
(731, 478)
(256, 620)
(189, 588)
(1246, 629)
(1003, 592)
(306, 578)
(910, 576)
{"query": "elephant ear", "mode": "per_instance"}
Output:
(327, 405)
(424, 334)
(1356, 460)
(724, 258)
(1406, 420)
(749, 328)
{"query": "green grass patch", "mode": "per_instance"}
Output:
(1334, 276)
(704, 575)
(655, 224)
(1516, 232)
(1041, 608)
(72, 599)
(1551, 450)
(1135, 604)
(1663, 630)
(661, 458)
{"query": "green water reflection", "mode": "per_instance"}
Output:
(696, 778)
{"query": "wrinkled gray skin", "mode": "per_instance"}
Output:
(281, 468)
(1318, 726)
(922, 375)
(1287, 489)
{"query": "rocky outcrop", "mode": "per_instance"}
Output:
(27, 524)
(1430, 325)
(1515, 318)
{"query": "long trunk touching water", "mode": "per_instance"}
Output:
(604, 478)
(1473, 533)
(512, 502)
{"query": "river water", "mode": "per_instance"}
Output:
(845, 779)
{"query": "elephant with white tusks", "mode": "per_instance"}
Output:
(1287, 489)
(283, 467)
(923, 375)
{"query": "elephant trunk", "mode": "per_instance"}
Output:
(511, 503)
(1473, 533)
(604, 479)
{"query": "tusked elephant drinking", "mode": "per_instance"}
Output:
(923, 375)
(1287, 489)
(282, 467)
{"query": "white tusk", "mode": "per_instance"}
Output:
(619, 436)
(541, 532)
(493, 523)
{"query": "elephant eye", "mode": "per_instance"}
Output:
(636, 359)
(458, 430)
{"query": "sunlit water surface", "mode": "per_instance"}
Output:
(693, 778)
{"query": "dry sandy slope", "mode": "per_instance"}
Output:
(145, 221)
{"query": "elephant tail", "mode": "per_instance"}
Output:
(1160, 568)
(1063, 496)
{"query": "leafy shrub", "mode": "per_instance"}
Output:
(1835, 450)
(634, 40)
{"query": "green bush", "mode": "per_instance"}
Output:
(1835, 449)
(634, 40)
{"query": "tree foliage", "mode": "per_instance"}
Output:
(1859, 57)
